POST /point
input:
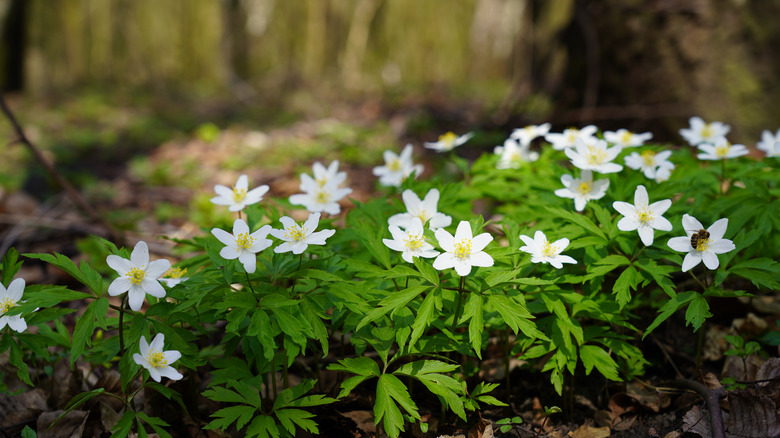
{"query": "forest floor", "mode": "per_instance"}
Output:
(151, 178)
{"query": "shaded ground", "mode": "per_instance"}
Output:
(164, 191)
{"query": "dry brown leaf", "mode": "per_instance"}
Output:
(751, 415)
(71, 425)
(363, 419)
(586, 431)
(769, 370)
(673, 434)
(697, 422)
(21, 407)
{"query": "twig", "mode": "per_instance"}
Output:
(712, 398)
(61, 181)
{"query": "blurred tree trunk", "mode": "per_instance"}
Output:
(12, 44)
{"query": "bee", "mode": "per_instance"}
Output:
(698, 236)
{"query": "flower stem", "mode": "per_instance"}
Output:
(122, 326)
(458, 304)
(722, 177)
(249, 283)
(703, 287)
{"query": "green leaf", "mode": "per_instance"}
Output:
(316, 274)
(263, 426)
(390, 393)
(28, 433)
(502, 276)
(579, 220)
(592, 355)
(515, 315)
(11, 265)
(676, 302)
(122, 427)
(426, 270)
(627, 282)
(473, 311)
(698, 311)
(363, 366)
(425, 315)
(83, 273)
(289, 418)
(85, 327)
(156, 423)
(233, 414)
(16, 357)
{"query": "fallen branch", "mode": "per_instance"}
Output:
(712, 399)
(71, 191)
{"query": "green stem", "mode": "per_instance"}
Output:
(722, 176)
(633, 257)
(122, 326)
(273, 375)
(458, 304)
(703, 287)
(249, 283)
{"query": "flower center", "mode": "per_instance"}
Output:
(648, 158)
(176, 272)
(706, 131)
(462, 249)
(322, 196)
(584, 187)
(549, 250)
(244, 241)
(413, 241)
(136, 275)
(6, 304)
(644, 215)
(156, 359)
(321, 181)
(448, 139)
(595, 155)
(423, 215)
(722, 151)
(239, 194)
(626, 137)
(514, 156)
(703, 245)
(297, 233)
(394, 165)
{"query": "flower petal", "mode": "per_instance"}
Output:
(157, 268)
(445, 239)
(710, 260)
(691, 224)
(646, 234)
(682, 244)
(16, 289)
(721, 246)
(120, 264)
(140, 255)
(153, 288)
(691, 259)
(481, 259)
(444, 261)
(119, 286)
(479, 242)
(718, 229)
(135, 298)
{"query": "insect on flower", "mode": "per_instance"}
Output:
(701, 235)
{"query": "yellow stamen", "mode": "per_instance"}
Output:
(156, 359)
(644, 215)
(626, 137)
(413, 241)
(703, 245)
(244, 241)
(322, 181)
(463, 249)
(585, 187)
(549, 250)
(648, 158)
(6, 304)
(176, 272)
(296, 232)
(423, 215)
(706, 131)
(136, 275)
(723, 150)
(323, 196)
(448, 139)
(239, 194)
(394, 165)
(595, 155)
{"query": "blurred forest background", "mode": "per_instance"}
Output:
(98, 82)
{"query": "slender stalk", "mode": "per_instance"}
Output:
(300, 262)
(723, 176)
(249, 283)
(458, 304)
(122, 325)
(285, 381)
(703, 287)
(507, 350)
(273, 375)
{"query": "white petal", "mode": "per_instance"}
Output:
(627, 223)
(721, 246)
(170, 373)
(157, 268)
(249, 260)
(439, 220)
(223, 236)
(431, 201)
(319, 237)
(119, 286)
(153, 288)
(444, 261)
(140, 255)
(625, 209)
(242, 182)
(143, 345)
(121, 265)
(312, 222)
(660, 207)
(16, 289)
(691, 259)
(411, 201)
(229, 252)
(481, 259)
(154, 373)
(640, 196)
(561, 244)
(718, 229)
(478, 243)
(135, 299)
(710, 260)
(463, 268)
(17, 323)
(646, 234)
(691, 224)
(445, 239)
(682, 244)
(139, 360)
(661, 223)
(284, 247)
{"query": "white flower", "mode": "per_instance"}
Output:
(769, 143)
(701, 132)
(425, 210)
(582, 189)
(318, 197)
(397, 167)
(448, 142)
(643, 216)
(174, 276)
(709, 243)
(157, 361)
(567, 139)
(526, 135)
(721, 150)
(325, 176)
(627, 139)
(542, 251)
(651, 163)
(241, 245)
(594, 155)
(9, 299)
(238, 197)
(298, 237)
(137, 276)
(664, 172)
(411, 242)
(462, 251)
(513, 154)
